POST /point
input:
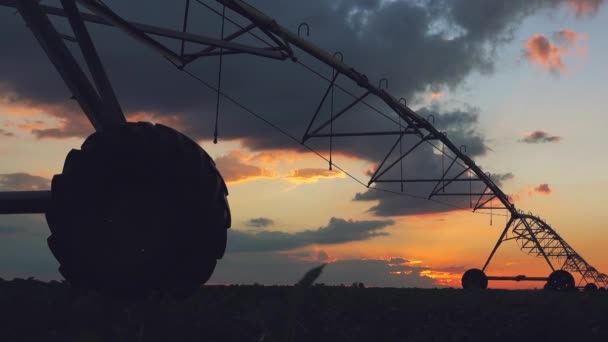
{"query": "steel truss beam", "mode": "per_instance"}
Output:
(24, 202)
(102, 83)
(536, 237)
(140, 32)
(83, 91)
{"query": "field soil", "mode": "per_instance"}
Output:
(37, 311)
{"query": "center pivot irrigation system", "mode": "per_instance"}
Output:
(142, 207)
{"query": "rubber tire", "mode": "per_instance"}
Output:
(561, 280)
(474, 279)
(140, 208)
(590, 287)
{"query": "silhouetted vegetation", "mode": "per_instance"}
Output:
(36, 311)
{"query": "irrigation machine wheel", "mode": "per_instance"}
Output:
(140, 208)
(474, 279)
(590, 287)
(560, 280)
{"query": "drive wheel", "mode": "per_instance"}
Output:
(474, 279)
(139, 208)
(590, 287)
(560, 280)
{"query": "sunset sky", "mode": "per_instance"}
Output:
(521, 82)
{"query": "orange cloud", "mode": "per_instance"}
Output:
(311, 175)
(437, 95)
(243, 165)
(274, 157)
(541, 51)
(234, 168)
(568, 37)
(59, 121)
(543, 189)
(444, 278)
(30, 125)
(530, 191)
(370, 170)
(430, 217)
(585, 7)
(44, 120)
(16, 110)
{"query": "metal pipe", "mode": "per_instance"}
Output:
(65, 63)
(113, 113)
(24, 202)
(423, 180)
(517, 278)
(161, 32)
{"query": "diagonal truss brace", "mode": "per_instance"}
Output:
(141, 32)
(336, 116)
(99, 113)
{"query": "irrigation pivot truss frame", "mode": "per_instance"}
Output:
(534, 235)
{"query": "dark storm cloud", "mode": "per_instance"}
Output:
(337, 231)
(397, 261)
(501, 178)
(378, 273)
(538, 137)
(395, 204)
(411, 43)
(402, 204)
(459, 125)
(6, 133)
(260, 222)
(417, 45)
(23, 181)
(322, 255)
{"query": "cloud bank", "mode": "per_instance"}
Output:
(538, 137)
(23, 182)
(259, 222)
(336, 232)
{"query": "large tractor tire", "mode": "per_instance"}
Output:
(140, 208)
(474, 279)
(561, 280)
